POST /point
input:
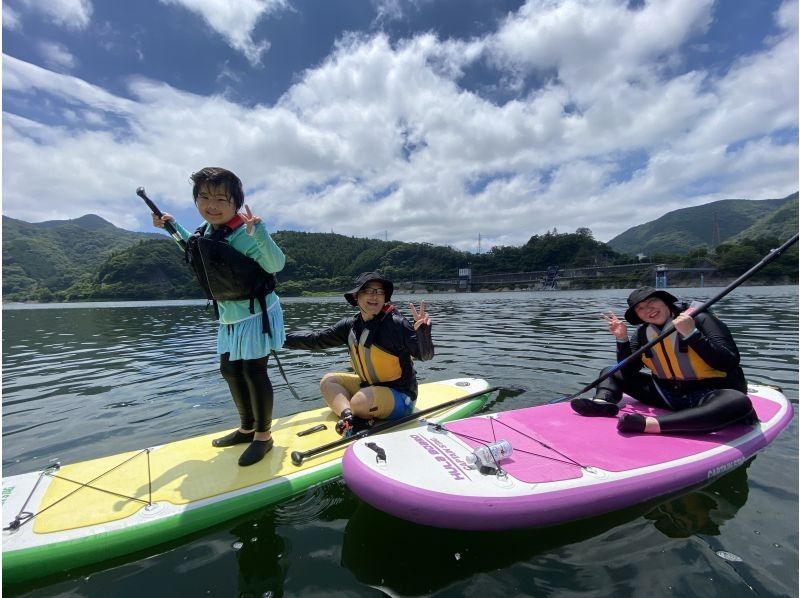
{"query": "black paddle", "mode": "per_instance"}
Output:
(669, 329)
(167, 225)
(299, 456)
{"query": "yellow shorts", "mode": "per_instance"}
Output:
(387, 403)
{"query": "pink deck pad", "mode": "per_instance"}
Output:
(580, 439)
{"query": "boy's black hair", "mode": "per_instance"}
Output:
(214, 175)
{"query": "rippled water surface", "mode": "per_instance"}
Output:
(84, 381)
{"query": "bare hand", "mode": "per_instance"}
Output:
(420, 317)
(250, 219)
(616, 326)
(158, 221)
(684, 323)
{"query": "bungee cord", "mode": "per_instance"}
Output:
(24, 516)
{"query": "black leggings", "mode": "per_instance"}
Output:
(251, 390)
(718, 409)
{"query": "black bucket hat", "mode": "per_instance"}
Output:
(363, 279)
(643, 294)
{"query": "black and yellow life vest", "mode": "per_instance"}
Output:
(373, 364)
(674, 359)
(224, 273)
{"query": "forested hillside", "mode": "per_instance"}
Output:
(91, 259)
(44, 259)
(682, 231)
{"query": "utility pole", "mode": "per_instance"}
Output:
(479, 243)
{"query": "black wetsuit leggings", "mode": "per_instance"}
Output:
(251, 390)
(716, 409)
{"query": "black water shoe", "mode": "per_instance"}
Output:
(352, 425)
(594, 407)
(255, 452)
(631, 422)
(344, 427)
(235, 437)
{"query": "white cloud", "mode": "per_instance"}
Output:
(56, 56)
(23, 77)
(787, 15)
(387, 10)
(11, 19)
(381, 137)
(71, 14)
(235, 21)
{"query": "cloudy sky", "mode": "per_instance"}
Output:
(419, 120)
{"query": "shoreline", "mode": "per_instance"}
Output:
(411, 291)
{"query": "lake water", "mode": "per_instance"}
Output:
(84, 381)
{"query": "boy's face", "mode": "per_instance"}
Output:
(215, 204)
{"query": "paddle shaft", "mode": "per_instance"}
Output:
(170, 228)
(669, 329)
(299, 456)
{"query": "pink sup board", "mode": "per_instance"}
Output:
(562, 466)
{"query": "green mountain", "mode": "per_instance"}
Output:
(781, 223)
(47, 257)
(685, 230)
(90, 259)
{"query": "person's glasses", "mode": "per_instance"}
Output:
(372, 291)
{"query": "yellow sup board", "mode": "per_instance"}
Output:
(74, 515)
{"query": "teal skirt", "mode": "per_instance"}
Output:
(246, 339)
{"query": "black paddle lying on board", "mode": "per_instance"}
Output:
(669, 329)
(299, 456)
(167, 225)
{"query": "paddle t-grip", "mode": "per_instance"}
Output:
(297, 457)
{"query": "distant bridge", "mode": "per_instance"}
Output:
(549, 279)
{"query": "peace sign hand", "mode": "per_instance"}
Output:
(250, 219)
(616, 326)
(420, 317)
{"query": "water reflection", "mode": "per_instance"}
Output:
(260, 557)
(377, 547)
(706, 510)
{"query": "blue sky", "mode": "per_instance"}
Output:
(419, 120)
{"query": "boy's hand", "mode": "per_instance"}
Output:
(250, 219)
(158, 222)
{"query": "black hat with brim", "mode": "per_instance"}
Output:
(643, 294)
(363, 279)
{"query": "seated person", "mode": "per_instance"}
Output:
(694, 372)
(382, 344)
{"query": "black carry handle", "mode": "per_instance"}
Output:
(317, 428)
(299, 456)
(773, 254)
(170, 228)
